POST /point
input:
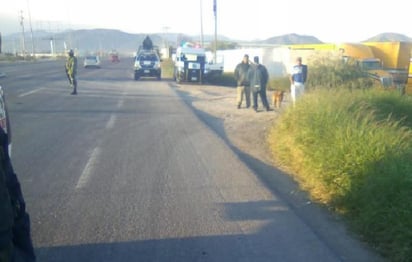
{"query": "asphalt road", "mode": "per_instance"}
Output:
(126, 171)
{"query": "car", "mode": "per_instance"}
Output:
(91, 61)
(114, 58)
(147, 64)
(4, 118)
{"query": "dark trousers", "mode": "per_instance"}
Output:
(263, 98)
(73, 83)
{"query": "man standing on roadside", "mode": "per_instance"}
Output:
(259, 77)
(242, 79)
(71, 71)
(298, 79)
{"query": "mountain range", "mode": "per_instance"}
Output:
(92, 40)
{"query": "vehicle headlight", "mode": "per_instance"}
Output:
(157, 65)
(137, 65)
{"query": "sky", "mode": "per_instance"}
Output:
(328, 20)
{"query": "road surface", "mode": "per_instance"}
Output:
(126, 171)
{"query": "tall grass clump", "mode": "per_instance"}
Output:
(167, 68)
(334, 73)
(352, 150)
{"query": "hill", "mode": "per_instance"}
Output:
(93, 40)
(384, 37)
(292, 39)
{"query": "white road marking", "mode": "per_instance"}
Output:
(112, 119)
(88, 169)
(30, 92)
(110, 123)
(91, 163)
(120, 103)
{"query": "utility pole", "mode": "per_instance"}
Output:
(201, 24)
(166, 42)
(23, 36)
(31, 28)
(215, 47)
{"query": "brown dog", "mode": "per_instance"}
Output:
(277, 98)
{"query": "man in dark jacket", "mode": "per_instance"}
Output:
(15, 237)
(259, 77)
(242, 79)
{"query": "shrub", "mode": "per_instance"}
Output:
(333, 73)
(352, 150)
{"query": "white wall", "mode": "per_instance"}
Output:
(276, 59)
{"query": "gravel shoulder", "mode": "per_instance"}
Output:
(245, 131)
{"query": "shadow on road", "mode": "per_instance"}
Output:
(259, 245)
(326, 225)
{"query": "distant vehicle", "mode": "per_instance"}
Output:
(147, 64)
(114, 58)
(4, 118)
(91, 61)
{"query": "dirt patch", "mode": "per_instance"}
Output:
(244, 128)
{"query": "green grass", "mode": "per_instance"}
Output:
(167, 68)
(279, 83)
(353, 152)
(226, 79)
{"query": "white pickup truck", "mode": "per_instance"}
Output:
(193, 64)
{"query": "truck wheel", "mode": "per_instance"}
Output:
(136, 76)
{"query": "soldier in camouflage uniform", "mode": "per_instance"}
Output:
(71, 71)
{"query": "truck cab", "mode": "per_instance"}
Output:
(367, 62)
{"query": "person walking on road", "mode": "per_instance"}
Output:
(71, 71)
(298, 79)
(258, 75)
(242, 79)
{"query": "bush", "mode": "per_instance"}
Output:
(167, 68)
(353, 152)
(333, 73)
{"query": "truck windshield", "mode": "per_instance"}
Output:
(193, 57)
(371, 65)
